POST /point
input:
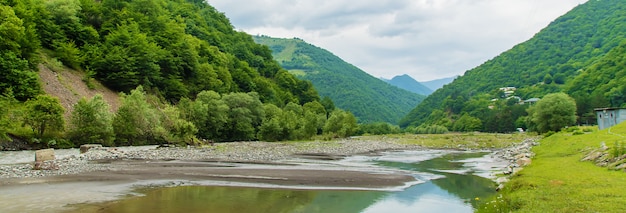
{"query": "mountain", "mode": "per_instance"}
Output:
(409, 84)
(174, 49)
(437, 83)
(369, 98)
(570, 46)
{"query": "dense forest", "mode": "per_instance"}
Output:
(579, 53)
(172, 48)
(369, 98)
(183, 71)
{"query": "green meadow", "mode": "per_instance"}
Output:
(558, 181)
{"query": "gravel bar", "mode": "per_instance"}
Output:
(220, 152)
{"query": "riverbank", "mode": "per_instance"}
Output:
(242, 152)
(109, 173)
(559, 180)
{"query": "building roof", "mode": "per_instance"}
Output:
(608, 108)
(532, 100)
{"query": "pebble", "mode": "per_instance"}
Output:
(233, 151)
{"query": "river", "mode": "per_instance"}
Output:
(446, 181)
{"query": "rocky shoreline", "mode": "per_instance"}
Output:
(98, 159)
(252, 152)
(518, 156)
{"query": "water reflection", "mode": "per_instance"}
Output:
(457, 180)
(454, 190)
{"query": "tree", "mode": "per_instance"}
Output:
(467, 123)
(45, 113)
(245, 115)
(341, 124)
(91, 122)
(271, 128)
(16, 75)
(136, 121)
(180, 130)
(208, 112)
(553, 112)
(547, 79)
(5, 122)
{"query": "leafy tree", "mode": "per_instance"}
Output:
(131, 59)
(17, 78)
(44, 114)
(208, 112)
(328, 104)
(271, 128)
(341, 124)
(91, 122)
(136, 121)
(430, 129)
(553, 112)
(317, 110)
(5, 122)
(547, 79)
(181, 130)
(379, 128)
(245, 114)
(14, 50)
(467, 123)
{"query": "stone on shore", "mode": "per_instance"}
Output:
(86, 147)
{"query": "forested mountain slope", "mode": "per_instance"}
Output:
(184, 75)
(546, 63)
(173, 48)
(409, 84)
(369, 98)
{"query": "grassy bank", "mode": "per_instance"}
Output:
(557, 180)
(455, 140)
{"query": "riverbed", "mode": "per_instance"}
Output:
(411, 180)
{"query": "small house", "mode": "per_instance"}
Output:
(608, 117)
(531, 101)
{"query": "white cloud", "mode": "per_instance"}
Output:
(426, 39)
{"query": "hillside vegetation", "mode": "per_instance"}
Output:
(369, 98)
(185, 76)
(173, 48)
(583, 42)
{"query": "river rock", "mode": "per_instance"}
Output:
(524, 161)
(86, 147)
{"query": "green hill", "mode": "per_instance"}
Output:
(409, 84)
(172, 48)
(186, 74)
(369, 98)
(548, 62)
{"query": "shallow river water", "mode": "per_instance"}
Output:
(446, 182)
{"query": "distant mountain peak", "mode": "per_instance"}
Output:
(407, 83)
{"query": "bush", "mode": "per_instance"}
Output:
(430, 129)
(548, 134)
(618, 149)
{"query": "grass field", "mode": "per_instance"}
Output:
(557, 180)
(456, 140)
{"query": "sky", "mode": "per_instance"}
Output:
(426, 39)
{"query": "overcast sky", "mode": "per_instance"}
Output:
(427, 39)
